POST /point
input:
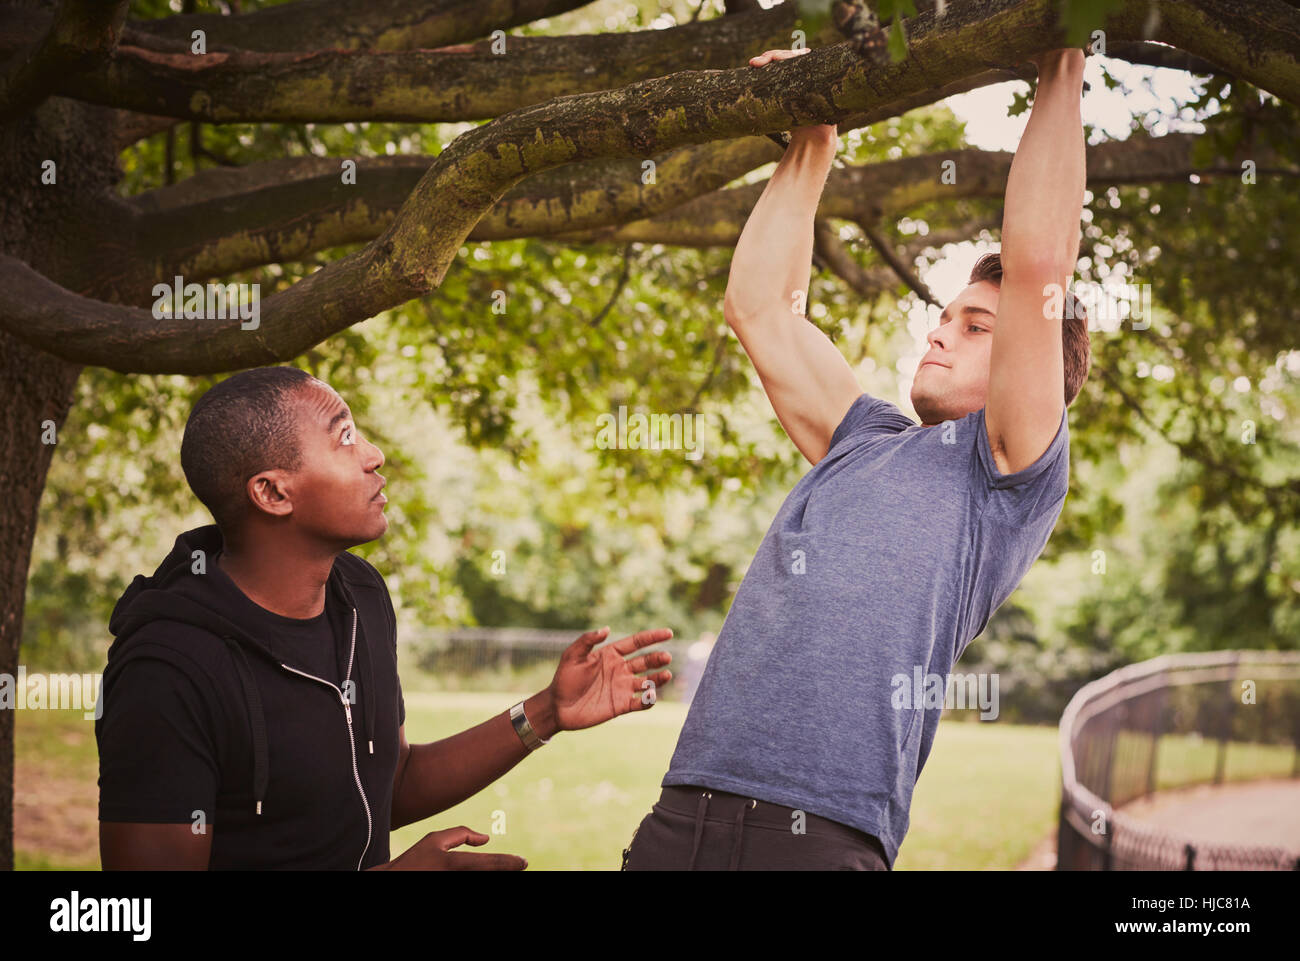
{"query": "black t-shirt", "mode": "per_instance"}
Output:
(176, 736)
(308, 644)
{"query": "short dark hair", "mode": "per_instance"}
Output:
(243, 425)
(1075, 347)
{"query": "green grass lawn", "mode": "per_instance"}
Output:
(573, 804)
(988, 794)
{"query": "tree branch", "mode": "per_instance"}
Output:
(266, 226)
(453, 84)
(473, 173)
(130, 127)
(1256, 41)
(619, 284)
(80, 33)
(223, 220)
(348, 25)
(719, 349)
(834, 255)
(1195, 449)
(875, 191)
(904, 272)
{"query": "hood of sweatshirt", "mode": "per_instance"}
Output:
(174, 593)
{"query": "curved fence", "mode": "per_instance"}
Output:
(1177, 720)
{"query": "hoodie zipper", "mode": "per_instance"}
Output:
(347, 710)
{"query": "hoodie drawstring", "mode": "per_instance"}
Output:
(739, 832)
(699, 827)
(256, 718)
(369, 706)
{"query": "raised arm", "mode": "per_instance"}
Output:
(807, 379)
(1040, 244)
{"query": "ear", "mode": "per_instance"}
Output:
(269, 492)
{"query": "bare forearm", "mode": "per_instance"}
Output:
(441, 774)
(773, 258)
(1040, 224)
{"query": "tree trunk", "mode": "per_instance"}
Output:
(34, 388)
(39, 224)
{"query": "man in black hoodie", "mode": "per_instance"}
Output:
(228, 737)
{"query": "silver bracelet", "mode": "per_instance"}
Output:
(525, 730)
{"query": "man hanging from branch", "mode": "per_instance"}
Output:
(821, 698)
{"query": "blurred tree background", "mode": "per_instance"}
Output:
(1179, 533)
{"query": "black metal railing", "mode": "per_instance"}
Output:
(1172, 722)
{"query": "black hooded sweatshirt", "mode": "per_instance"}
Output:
(282, 732)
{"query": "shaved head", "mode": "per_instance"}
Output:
(243, 425)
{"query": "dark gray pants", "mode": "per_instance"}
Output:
(701, 829)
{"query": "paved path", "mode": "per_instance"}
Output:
(1252, 813)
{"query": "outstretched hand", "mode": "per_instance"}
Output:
(591, 686)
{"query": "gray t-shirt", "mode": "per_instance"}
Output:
(884, 562)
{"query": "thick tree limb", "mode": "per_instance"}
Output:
(80, 33)
(452, 84)
(471, 83)
(597, 193)
(643, 119)
(1258, 41)
(894, 187)
(279, 218)
(130, 127)
(134, 126)
(348, 25)
(225, 220)
(220, 221)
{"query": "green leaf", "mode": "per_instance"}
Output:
(1081, 17)
(1019, 103)
(897, 42)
